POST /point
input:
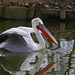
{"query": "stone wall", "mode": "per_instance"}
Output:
(30, 10)
(16, 12)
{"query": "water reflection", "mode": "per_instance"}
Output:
(22, 63)
(65, 55)
(29, 63)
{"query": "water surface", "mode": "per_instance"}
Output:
(28, 63)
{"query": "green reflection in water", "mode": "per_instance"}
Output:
(4, 25)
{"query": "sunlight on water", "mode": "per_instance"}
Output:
(29, 63)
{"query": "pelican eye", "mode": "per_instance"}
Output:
(39, 23)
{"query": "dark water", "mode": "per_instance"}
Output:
(29, 63)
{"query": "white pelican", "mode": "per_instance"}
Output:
(19, 39)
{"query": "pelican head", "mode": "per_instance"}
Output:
(38, 25)
(36, 22)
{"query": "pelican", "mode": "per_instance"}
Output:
(19, 39)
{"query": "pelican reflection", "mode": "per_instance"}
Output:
(22, 63)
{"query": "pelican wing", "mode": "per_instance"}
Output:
(13, 39)
(26, 29)
(6, 34)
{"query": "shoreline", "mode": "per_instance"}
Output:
(41, 9)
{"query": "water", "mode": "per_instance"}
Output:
(29, 63)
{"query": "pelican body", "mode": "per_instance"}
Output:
(19, 39)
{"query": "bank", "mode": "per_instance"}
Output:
(38, 9)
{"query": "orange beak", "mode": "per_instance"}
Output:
(43, 29)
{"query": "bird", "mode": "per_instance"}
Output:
(19, 39)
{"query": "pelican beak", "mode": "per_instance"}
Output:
(43, 29)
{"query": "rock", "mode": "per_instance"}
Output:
(40, 3)
(27, 4)
(33, 5)
(23, 4)
(46, 6)
(69, 6)
(19, 3)
(0, 2)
